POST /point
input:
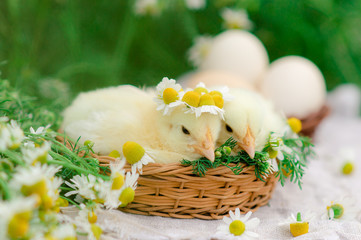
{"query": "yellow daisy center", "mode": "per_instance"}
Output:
(18, 227)
(299, 228)
(347, 168)
(206, 99)
(192, 98)
(47, 202)
(92, 217)
(218, 101)
(38, 188)
(170, 95)
(272, 153)
(126, 196)
(338, 210)
(70, 238)
(118, 181)
(96, 230)
(61, 202)
(237, 227)
(214, 92)
(42, 159)
(114, 154)
(133, 152)
(295, 124)
(201, 90)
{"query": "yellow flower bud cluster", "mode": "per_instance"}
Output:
(201, 97)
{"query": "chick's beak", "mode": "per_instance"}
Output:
(248, 143)
(206, 147)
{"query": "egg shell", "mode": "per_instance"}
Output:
(295, 85)
(213, 78)
(238, 52)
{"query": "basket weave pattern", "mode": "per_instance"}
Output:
(172, 190)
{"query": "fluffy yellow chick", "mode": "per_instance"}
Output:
(112, 116)
(249, 119)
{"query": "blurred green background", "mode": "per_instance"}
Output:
(54, 49)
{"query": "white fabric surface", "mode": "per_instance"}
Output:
(322, 181)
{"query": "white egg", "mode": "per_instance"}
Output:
(295, 85)
(214, 78)
(238, 52)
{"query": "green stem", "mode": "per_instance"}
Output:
(299, 217)
(5, 189)
(71, 201)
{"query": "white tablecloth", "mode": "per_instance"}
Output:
(322, 181)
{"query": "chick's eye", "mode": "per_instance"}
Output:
(228, 128)
(185, 131)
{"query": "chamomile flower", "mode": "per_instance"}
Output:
(277, 147)
(40, 131)
(147, 7)
(34, 180)
(342, 209)
(345, 161)
(298, 225)
(233, 18)
(11, 135)
(200, 50)
(168, 95)
(136, 156)
(202, 100)
(195, 4)
(127, 193)
(84, 186)
(33, 155)
(238, 227)
(15, 216)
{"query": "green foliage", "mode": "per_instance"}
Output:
(296, 153)
(233, 162)
(93, 44)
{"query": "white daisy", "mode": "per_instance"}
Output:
(200, 50)
(84, 186)
(135, 155)
(238, 227)
(233, 18)
(343, 209)
(169, 94)
(33, 155)
(40, 130)
(11, 135)
(278, 148)
(34, 180)
(147, 7)
(15, 216)
(195, 4)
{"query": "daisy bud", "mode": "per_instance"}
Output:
(218, 101)
(347, 168)
(192, 98)
(295, 124)
(170, 95)
(215, 93)
(92, 217)
(201, 90)
(227, 150)
(126, 196)
(118, 181)
(206, 99)
(96, 230)
(89, 143)
(114, 154)
(133, 152)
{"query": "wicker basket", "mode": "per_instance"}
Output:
(310, 123)
(172, 190)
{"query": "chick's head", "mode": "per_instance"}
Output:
(244, 121)
(191, 136)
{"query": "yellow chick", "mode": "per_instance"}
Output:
(249, 119)
(112, 116)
